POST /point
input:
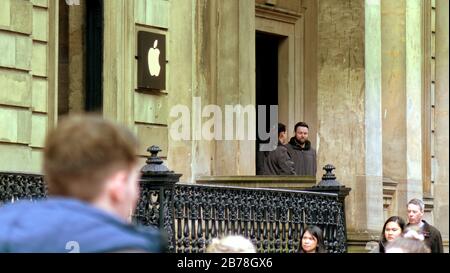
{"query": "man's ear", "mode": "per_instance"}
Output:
(117, 185)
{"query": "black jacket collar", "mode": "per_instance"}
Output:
(297, 146)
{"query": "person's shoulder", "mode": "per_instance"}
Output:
(426, 225)
(291, 143)
(18, 208)
(431, 228)
(282, 147)
(430, 231)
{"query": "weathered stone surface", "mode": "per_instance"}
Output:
(40, 24)
(39, 125)
(150, 108)
(40, 3)
(40, 95)
(441, 189)
(77, 56)
(5, 14)
(15, 125)
(21, 16)
(35, 165)
(15, 88)
(413, 69)
(23, 52)
(18, 159)
(152, 12)
(340, 98)
(292, 6)
(39, 60)
(180, 81)
(152, 135)
(393, 89)
(8, 49)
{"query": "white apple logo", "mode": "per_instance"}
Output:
(153, 60)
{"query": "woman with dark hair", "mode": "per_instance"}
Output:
(312, 240)
(392, 229)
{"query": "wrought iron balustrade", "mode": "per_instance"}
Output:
(273, 219)
(15, 186)
(192, 215)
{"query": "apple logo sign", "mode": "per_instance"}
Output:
(153, 60)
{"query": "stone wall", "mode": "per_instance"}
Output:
(150, 109)
(341, 102)
(215, 64)
(441, 187)
(394, 94)
(26, 81)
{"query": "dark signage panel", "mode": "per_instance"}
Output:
(151, 61)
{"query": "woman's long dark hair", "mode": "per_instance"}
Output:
(316, 232)
(401, 223)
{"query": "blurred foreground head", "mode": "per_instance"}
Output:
(231, 244)
(89, 158)
(410, 242)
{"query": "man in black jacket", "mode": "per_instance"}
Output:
(303, 154)
(432, 235)
(278, 161)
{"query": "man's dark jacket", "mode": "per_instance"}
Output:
(433, 237)
(279, 162)
(304, 158)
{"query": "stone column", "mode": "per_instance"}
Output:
(441, 187)
(204, 84)
(118, 60)
(215, 66)
(180, 80)
(373, 129)
(77, 34)
(349, 109)
(235, 82)
(393, 93)
(413, 186)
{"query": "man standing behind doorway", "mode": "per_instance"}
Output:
(303, 154)
(278, 161)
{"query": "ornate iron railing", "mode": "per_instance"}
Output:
(274, 220)
(192, 215)
(14, 186)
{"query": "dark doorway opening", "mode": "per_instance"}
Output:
(63, 59)
(80, 57)
(94, 55)
(266, 84)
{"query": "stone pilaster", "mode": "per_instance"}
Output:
(441, 187)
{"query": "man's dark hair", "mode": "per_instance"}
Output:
(281, 128)
(300, 124)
